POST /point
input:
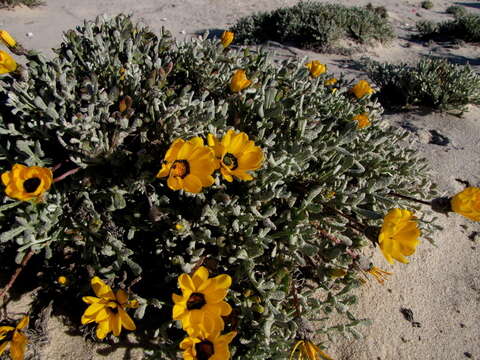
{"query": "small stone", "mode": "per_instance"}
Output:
(163, 19)
(183, 32)
(467, 354)
(29, 34)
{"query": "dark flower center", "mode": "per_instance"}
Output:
(196, 301)
(204, 350)
(230, 161)
(113, 306)
(32, 184)
(180, 168)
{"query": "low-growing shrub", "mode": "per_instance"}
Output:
(13, 3)
(427, 4)
(314, 25)
(434, 83)
(464, 27)
(456, 10)
(108, 154)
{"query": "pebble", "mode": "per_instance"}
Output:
(29, 34)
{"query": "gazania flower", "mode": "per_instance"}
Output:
(189, 165)
(27, 182)
(7, 64)
(211, 347)
(7, 39)
(226, 38)
(379, 274)
(200, 307)
(306, 350)
(316, 68)
(467, 203)
(331, 81)
(108, 309)
(361, 89)
(239, 81)
(399, 235)
(236, 155)
(63, 280)
(362, 120)
(13, 336)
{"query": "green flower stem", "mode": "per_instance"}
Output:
(411, 199)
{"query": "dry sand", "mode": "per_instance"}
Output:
(441, 285)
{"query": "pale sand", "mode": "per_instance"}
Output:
(441, 285)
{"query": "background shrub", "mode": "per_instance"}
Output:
(456, 10)
(12, 3)
(464, 27)
(111, 217)
(434, 83)
(427, 4)
(314, 25)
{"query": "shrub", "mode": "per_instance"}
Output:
(13, 3)
(464, 27)
(456, 10)
(314, 25)
(103, 113)
(432, 82)
(427, 4)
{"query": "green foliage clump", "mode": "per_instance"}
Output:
(314, 25)
(13, 3)
(456, 10)
(433, 83)
(427, 4)
(295, 225)
(464, 27)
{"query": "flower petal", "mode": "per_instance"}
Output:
(185, 282)
(101, 289)
(103, 329)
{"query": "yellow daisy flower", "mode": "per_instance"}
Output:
(316, 68)
(200, 307)
(189, 165)
(27, 182)
(467, 203)
(7, 63)
(308, 351)
(226, 38)
(331, 81)
(17, 340)
(63, 280)
(236, 155)
(7, 39)
(211, 347)
(362, 120)
(239, 81)
(108, 309)
(361, 89)
(399, 235)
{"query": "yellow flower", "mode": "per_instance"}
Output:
(467, 203)
(27, 182)
(399, 235)
(7, 63)
(108, 309)
(63, 280)
(236, 155)
(17, 340)
(362, 120)
(239, 81)
(308, 351)
(331, 81)
(211, 346)
(227, 38)
(361, 89)
(189, 165)
(316, 68)
(7, 39)
(379, 274)
(200, 307)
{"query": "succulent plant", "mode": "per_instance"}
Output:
(103, 113)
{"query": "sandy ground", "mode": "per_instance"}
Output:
(441, 285)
